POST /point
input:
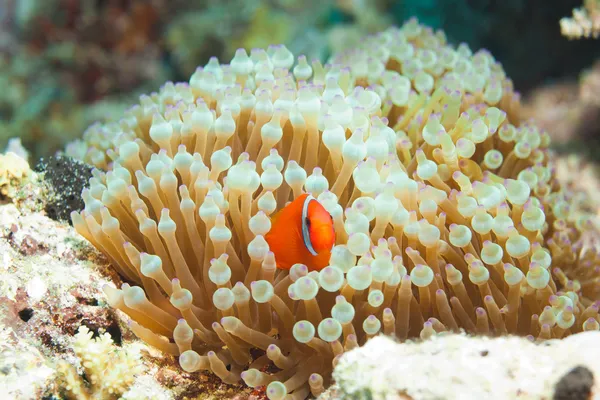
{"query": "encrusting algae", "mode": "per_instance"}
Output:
(446, 211)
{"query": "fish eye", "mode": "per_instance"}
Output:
(307, 221)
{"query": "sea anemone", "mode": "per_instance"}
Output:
(446, 210)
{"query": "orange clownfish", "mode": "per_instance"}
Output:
(302, 233)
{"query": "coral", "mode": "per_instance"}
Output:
(217, 30)
(24, 368)
(192, 37)
(569, 111)
(532, 51)
(265, 27)
(367, 18)
(15, 146)
(583, 188)
(14, 172)
(60, 55)
(589, 83)
(66, 177)
(67, 64)
(447, 212)
(50, 285)
(46, 287)
(557, 109)
(47, 267)
(461, 367)
(585, 21)
(109, 372)
(97, 47)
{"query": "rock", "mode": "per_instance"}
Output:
(575, 385)
(49, 279)
(464, 367)
(50, 286)
(66, 177)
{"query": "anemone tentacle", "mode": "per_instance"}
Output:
(446, 210)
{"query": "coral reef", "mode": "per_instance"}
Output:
(65, 178)
(96, 48)
(462, 367)
(447, 211)
(569, 111)
(556, 108)
(67, 64)
(522, 34)
(589, 83)
(215, 30)
(16, 146)
(60, 55)
(50, 286)
(585, 21)
(25, 370)
(582, 186)
(14, 173)
(365, 18)
(109, 372)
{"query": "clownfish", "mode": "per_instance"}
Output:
(302, 233)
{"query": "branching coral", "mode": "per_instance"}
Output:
(585, 21)
(109, 372)
(446, 210)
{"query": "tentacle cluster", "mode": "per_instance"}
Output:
(446, 209)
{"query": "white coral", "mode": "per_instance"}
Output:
(109, 371)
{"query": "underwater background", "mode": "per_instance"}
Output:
(116, 239)
(67, 63)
